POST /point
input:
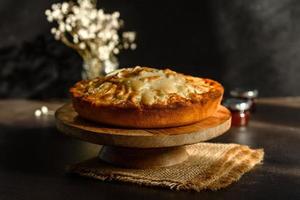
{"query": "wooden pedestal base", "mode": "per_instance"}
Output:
(142, 148)
(143, 158)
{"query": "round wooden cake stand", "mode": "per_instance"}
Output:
(142, 148)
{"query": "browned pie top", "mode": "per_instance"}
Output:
(143, 86)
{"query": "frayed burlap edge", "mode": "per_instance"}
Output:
(226, 171)
(229, 169)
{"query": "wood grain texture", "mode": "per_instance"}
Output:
(69, 123)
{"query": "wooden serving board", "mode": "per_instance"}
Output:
(71, 124)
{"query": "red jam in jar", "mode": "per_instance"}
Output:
(240, 111)
(239, 118)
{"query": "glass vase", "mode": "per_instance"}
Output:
(94, 67)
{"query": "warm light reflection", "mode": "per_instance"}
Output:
(243, 136)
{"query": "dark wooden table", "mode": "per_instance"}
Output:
(33, 155)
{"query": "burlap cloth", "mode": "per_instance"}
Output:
(209, 166)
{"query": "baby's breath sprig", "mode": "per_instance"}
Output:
(93, 33)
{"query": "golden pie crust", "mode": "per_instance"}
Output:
(143, 97)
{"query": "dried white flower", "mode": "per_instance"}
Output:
(126, 45)
(82, 45)
(75, 39)
(53, 30)
(68, 27)
(129, 36)
(62, 27)
(133, 46)
(93, 33)
(83, 34)
(65, 7)
(116, 51)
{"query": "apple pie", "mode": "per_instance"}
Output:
(143, 97)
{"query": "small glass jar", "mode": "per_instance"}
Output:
(246, 94)
(240, 111)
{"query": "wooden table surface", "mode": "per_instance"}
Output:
(33, 155)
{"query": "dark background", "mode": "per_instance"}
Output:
(240, 43)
